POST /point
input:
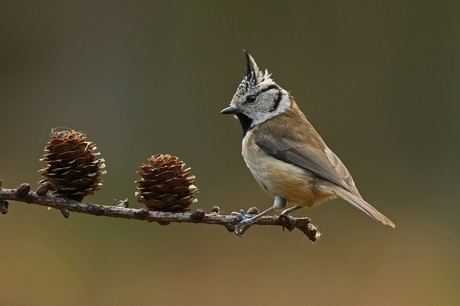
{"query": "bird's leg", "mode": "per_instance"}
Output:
(289, 210)
(246, 222)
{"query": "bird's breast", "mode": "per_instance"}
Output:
(276, 177)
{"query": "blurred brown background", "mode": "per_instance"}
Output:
(379, 80)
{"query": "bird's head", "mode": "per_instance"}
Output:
(258, 98)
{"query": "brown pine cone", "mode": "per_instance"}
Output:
(165, 185)
(72, 165)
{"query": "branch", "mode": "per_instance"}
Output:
(120, 210)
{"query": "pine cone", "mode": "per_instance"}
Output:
(165, 185)
(72, 165)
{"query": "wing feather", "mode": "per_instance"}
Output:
(324, 163)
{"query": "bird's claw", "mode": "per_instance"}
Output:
(287, 221)
(240, 215)
(245, 222)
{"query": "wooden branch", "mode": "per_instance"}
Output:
(120, 210)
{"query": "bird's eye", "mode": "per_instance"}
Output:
(251, 99)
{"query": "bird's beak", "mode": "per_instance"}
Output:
(230, 110)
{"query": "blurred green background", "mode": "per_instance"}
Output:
(379, 80)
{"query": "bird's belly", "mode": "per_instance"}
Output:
(298, 186)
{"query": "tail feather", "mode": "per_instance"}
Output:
(363, 206)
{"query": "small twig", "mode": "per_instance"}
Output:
(4, 207)
(45, 187)
(120, 210)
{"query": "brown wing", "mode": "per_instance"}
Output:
(337, 164)
(326, 165)
(323, 163)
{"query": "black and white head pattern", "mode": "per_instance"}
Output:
(258, 98)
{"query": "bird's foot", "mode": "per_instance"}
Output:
(287, 221)
(245, 222)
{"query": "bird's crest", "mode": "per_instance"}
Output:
(254, 76)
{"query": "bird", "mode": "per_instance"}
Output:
(284, 152)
